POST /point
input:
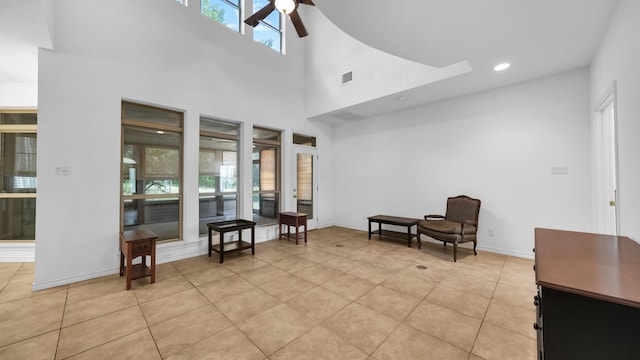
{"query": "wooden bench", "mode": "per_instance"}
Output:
(393, 220)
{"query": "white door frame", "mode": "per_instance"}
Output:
(606, 160)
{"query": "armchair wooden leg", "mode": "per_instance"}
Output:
(474, 248)
(455, 252)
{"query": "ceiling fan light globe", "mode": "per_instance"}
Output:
(286, 6)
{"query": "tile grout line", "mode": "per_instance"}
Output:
(291, 252)
(146, 321)
(433, 336)
(64, 308)
(475, 340)
(233, 324)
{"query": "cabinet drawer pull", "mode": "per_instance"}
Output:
(141, 249)
(536, 300)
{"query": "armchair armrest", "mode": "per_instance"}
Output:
(469, 227)
(429, 217)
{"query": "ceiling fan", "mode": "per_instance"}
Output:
(287, 7)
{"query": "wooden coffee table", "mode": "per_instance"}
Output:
(393, 220)
(223, 227)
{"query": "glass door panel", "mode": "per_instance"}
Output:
(305, 182)
(304, 191)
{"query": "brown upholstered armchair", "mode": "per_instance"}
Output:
(459, 225)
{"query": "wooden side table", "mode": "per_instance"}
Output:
(292, 219)
(134, 243)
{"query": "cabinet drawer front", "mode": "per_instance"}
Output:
(142, 248)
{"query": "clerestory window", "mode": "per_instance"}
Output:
(226, 12)
(269, 31)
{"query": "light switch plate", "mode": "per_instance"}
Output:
(63, 170)
(559, 170)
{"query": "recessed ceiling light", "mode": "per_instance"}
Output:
(503, 66)
(402, 98)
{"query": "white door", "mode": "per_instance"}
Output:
(606, 141)
(305, 191)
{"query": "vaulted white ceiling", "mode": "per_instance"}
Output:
(23, 30)
(538, 38)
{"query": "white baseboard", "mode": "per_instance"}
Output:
(16, 252)
(482, 248)
(167, 252)
(66, 281)
(506, 252)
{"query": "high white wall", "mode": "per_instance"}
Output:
(18, 95)
(161, 53)
(617, 60)
(498, 146)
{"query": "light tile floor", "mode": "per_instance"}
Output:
(341, 296)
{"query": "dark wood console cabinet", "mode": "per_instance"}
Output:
(588, 302)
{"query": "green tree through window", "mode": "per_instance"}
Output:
(213, 11)
(267, 42)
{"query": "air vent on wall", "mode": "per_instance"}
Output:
(346, 77)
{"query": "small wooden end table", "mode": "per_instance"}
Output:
(393, 220)
(292, 219)
(223, 227)
(134, 243)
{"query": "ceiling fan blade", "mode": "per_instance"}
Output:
(297, 23)
(259, 15)
(306, 2)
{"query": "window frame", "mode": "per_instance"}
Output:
(277, 192)
(279, 30)
(238, 8)
(304, 140)
(210, 134)
(161, 129)
(20, 129)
